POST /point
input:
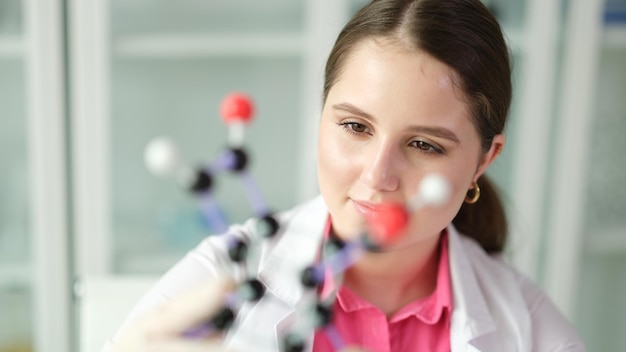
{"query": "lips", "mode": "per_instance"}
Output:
(365, 209)
(385, 221)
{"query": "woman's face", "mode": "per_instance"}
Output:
(392, 117)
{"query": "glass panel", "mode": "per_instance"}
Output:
(601, 315)
(15, 291)
(607, 158)
(154, 220)
(603, 272)
(10, 17)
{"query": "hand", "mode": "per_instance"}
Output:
(162, 330)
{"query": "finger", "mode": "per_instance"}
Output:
(191, 308)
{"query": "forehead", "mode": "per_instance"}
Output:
(389, 50)
(383, 73)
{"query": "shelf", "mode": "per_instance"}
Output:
(11, 47)
(614, 36)
(201, 45)
(14, 275)
(180, 45)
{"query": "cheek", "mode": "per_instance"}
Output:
(331, 162)
(459, 183)
(337, 163)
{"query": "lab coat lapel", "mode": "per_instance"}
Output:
(282, 264)
(490, 313)
(295, 250)
(471, 318)
(252, 331)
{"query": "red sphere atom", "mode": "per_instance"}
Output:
(236, 107)
(388, 222)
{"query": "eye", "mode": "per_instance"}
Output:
(426, 147)
(355, 127)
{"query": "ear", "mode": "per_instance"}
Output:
(490, 156)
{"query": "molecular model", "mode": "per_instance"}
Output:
(383, 228)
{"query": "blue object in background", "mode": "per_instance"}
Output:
(615, 12)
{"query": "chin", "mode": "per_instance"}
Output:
(347, 230)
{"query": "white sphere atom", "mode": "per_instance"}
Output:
(434, 190)
(161, 157)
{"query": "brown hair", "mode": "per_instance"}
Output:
(464, 35)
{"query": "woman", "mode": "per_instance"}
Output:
(412, 87)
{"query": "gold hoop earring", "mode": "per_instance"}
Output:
(475, 196)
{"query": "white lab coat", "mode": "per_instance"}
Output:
(495, 308)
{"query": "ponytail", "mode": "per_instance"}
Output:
(485, 221)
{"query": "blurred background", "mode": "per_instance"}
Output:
(85, 85)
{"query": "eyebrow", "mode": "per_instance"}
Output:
(433, 131)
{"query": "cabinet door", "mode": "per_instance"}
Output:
(600, 283)
(603, 254)
(171, 66)
(16, 325)
(34, 275)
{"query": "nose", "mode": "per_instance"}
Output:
(381, 169)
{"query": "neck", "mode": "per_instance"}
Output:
(391, 280)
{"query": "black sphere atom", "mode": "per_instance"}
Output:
(224, 319)
(202, 183)
(323, 315)
(240, 162)
(336, 243)
(311, 277)
(293, 343)
(253, 290)
(238, 251)
(268, 226)
(369, 244)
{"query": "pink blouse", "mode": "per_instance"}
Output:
(423, 325)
